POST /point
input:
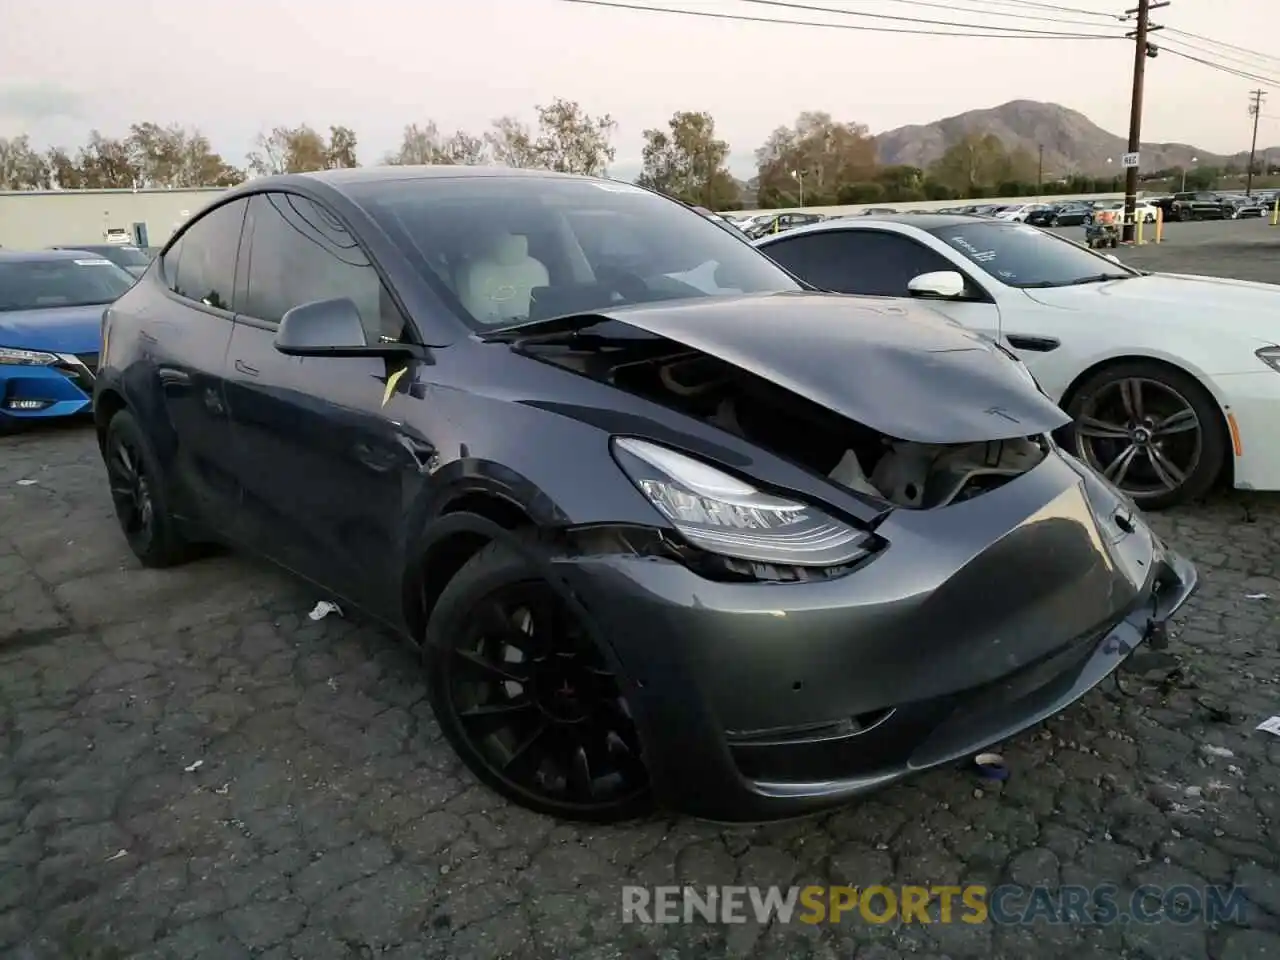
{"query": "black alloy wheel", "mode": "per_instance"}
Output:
(1154, 432)
(137, 491)
(526, 698)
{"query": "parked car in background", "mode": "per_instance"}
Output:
(1144, 212)
(135, 260)
(1243, 208)
(1198, 206)
(605, 465)
(1160, 408)
(1074, 213)
(1019, 213)
(778, 223)
(51, 305)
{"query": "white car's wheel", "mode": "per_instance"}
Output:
(1150, 429)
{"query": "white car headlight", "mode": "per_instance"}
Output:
(728, 516)
(28, 358)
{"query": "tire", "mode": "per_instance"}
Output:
(1053, 221)
(152, 534)
(1185, 215)
(1198, 476)
(497, 571)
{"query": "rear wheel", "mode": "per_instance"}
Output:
(525, 697)
(138, 493)
(1151, 430)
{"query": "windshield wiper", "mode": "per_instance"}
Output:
(1096, 278)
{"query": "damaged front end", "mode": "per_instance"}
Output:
(885, 432)
(998, 580)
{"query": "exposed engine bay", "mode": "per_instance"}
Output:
(913, 475)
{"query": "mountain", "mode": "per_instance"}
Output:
(1072, 142)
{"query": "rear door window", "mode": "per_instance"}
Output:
(206, 268)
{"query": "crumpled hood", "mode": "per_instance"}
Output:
(892, 365)
(54, 329)
(1252, 308)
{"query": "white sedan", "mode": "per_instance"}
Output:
(1173, 381)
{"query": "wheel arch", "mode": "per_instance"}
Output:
(1073, 388)
(106, 405)
(465, 523)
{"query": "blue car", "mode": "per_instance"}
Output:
(51, 305)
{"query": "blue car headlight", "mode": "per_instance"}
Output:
(26, 358)
(730, 517)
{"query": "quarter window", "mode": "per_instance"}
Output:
(301, 253)
(206, 265)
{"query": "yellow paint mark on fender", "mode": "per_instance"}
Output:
(391, 385)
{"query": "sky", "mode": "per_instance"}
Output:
(237, 67)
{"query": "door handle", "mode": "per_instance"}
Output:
(1032, 344)
(247, 370)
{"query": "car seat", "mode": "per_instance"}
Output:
(498, 285)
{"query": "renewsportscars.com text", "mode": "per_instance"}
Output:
(1008, 904)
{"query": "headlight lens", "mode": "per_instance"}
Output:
(29, 358)
(1270, 356)
(728, 516)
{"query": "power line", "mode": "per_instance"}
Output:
(1057, 8)
(985, 32)
(810, 8)
(1252, 63)
(1222, 68)
(1221, 43)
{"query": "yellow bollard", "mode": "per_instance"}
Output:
(1275, 210)
(1159, 224)
(1137, 227)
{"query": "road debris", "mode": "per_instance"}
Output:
(194, 767)
(323, 609)
(1270, 725)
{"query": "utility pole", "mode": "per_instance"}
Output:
(1255, 108)
(1141, 51)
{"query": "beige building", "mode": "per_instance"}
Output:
(42, 218)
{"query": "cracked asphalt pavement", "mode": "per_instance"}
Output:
(191, 767)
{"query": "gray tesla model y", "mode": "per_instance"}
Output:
(665, 524)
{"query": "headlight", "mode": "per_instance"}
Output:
(1270, 356)
(30, 358)
(728, 516)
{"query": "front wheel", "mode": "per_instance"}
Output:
(1152, 430)
(525, 697)
(138, 493)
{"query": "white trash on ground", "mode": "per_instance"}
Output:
(1270, 725)
(323, 609)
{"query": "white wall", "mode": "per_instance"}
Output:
(37, 219)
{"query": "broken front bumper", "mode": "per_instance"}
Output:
(759, 701)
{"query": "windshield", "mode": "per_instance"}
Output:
(1022, 256)
(39, 284)
(511, 249)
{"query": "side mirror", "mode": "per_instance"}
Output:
(331, 328)
(946, 284)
